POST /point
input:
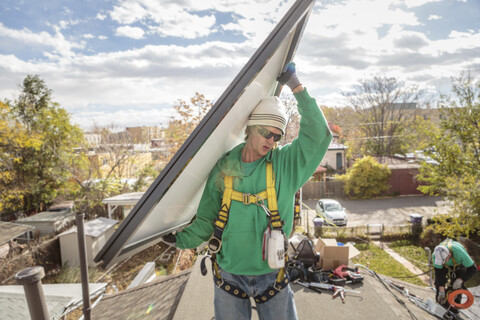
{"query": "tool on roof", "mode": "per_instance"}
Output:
(427, 305)
(344, 274)
(337, 290)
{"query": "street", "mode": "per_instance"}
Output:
(389, 211)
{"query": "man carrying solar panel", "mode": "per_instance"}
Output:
(246, 210)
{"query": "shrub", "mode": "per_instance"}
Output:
(366, 179)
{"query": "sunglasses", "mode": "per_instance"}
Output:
(267, 134)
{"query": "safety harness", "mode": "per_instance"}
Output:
(275, 222)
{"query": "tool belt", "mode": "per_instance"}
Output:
(280, 283)
(275, 223)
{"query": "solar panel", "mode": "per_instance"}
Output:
(171, 201)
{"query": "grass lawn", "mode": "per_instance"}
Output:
(382, 263)
(416, 255)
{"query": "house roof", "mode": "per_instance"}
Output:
(48, 216)
(474, 310)
(14, 306)
(10, 231)
(154, 300)
(396, 163)
(58, 298)
(336, 146)
(64, 205)
(374, 302)
(124, 199)
(94, 228)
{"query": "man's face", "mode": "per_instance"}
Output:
(258, 143)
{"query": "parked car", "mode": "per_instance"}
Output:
(331, 210)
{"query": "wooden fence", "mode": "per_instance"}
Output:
(313, 190)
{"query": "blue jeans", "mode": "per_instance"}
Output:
(229, 307)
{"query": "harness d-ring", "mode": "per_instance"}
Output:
(454, 294)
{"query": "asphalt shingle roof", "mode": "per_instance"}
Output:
(14, 306)
(9, 231)
(154, 300)
(58, 298)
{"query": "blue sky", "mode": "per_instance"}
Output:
(125, 62)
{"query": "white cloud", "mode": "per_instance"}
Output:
(101, 16)
(343, 42)
(434, 17)
(166, 19)
(57, 43)
(418, 3)
(130, 32)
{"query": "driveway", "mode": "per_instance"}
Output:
(390, 211)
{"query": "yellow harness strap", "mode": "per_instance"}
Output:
(246, 198)
(449, 246)
(276, 222)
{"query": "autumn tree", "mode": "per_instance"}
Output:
(42, 148)
(455, 149)
(385, 108)
(107, 168)
(14, 138)
(189, 115)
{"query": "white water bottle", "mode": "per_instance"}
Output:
(276, 249)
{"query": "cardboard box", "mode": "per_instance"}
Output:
(332, 255)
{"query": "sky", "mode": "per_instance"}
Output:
(126, 62)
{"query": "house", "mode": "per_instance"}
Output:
(335, 157)
(126, 200)
(10, 231)
(48, 222)
(403, 179)
(96, 231)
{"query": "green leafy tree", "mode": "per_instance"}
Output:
(366, 179)
(41, 168)
(455, 148)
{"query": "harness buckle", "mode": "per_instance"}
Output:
(214, 244)
(219, 282)
(246, 198)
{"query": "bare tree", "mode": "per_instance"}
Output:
(293, 117)
(386, 109)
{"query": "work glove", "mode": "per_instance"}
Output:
(289, 76)
(170, 239)
(441, 299)
(457, 284)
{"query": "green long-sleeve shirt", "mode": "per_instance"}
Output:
(459, 253)
(293, 164)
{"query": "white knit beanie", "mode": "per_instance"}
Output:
(270, 112)
(441, 255)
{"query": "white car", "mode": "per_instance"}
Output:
(332, 211)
